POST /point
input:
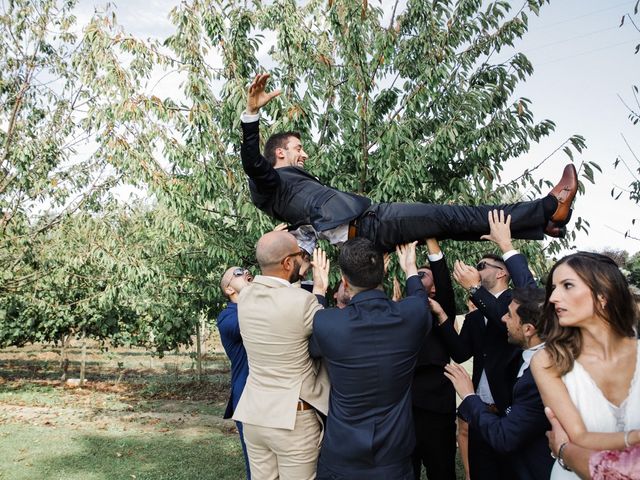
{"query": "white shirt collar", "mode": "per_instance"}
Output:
(281, 280)
(527, 355)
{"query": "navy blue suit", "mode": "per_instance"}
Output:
(370, 349)
(232, 343)
(520, 434)
(491, 352)
(488, 344)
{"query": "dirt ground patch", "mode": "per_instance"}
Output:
(160, 394)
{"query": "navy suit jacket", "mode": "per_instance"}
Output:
(521, 433)
(370, 349)
(488, 344)
(232, 343)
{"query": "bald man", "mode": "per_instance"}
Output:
(285, 387)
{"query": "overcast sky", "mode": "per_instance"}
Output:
(582, 62)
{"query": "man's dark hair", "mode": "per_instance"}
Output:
(494, 257)
(530, 305)
(361, 263)
(277, 140)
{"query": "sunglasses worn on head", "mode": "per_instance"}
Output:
(482, 265)
(238, 272)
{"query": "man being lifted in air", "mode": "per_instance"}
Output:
(282, 189)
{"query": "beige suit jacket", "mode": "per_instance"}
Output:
(275, 323)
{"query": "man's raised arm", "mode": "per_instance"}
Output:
(259, 170)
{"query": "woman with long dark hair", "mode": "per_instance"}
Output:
(589, 370)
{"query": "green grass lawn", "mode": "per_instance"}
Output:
(150, 425)
(34, 452)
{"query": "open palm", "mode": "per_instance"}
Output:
(258, 97)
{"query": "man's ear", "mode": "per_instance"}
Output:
(503, 274)
(345, 282)
(229, 291)
(528, 329)
(279, 153)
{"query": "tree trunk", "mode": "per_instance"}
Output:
(83, 359)
(64, 360)
(199, 351)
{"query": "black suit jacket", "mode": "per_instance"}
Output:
(488, 344)
(370, 349)
(431, 390)
(520, 433)
(291, 194)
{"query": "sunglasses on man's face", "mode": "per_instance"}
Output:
(238, 272)
(482, 265)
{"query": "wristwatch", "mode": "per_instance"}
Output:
(473, 289)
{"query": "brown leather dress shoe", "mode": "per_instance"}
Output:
(554, 230)
(564, 192)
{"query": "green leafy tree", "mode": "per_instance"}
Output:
(399, 104)
(406, 105)
(43, 175)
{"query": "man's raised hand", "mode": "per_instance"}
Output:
(466, 275)
(500, 230)
(321, 265)
(257, 96)
(407, 258)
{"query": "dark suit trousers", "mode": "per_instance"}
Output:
(484, 462)
(400, 471)
(390, 224)
(435, 444)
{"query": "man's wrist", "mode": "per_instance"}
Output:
(411, 271)
(509, 253)
(506, 247)
(248, 117)
(474, 288)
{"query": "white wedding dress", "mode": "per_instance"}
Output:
(598, 414)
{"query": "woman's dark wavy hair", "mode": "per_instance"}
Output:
(604, 279)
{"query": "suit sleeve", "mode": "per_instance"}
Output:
(444, 288)
(314, 347)
(310, 308)
(519, 271)
(416, 289)
(491, 307)
(229, 328)
(526, 420)
(259, 170)
(459, 346)
(322, 300)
